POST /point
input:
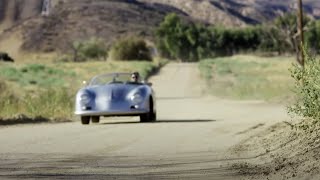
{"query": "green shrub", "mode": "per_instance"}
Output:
(130, 48)
(94, 48)
(307, 89)
(90, 49)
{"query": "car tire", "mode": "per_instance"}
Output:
(144, 118)
(153, 116)
(150, 116)
(85, 119)
(95, 119)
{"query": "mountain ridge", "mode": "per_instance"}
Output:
(71, 20)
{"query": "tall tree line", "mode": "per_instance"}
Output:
(187, 41)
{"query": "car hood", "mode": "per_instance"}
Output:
(114, 91)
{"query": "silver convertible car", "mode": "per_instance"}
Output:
(115, 95)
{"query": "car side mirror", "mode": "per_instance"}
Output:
(149, 83)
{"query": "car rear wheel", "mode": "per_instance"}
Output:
(85, 119)
(95, 119)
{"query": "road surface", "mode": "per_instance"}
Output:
(190, 140)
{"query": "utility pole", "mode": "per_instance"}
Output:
(46, 7)
(300, 32)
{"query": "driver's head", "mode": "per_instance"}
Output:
(135, 77)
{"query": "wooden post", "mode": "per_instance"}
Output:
(300, 32)
(46, 7)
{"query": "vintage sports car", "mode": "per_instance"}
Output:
(115, 95)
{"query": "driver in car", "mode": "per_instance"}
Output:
(135, 77)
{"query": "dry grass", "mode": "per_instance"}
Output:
(249, 77)
(47, 90)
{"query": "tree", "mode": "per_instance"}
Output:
(271, 40)
(287, 27)
(313, 36)
(170, 36)
(176, 39)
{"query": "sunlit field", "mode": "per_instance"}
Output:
(249, 77)
(47, 90)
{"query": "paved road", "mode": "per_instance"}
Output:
(190, 140)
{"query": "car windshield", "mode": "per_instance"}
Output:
(112, 78)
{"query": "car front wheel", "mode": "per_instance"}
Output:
(95, 119)
(144, 118)
(150, 116)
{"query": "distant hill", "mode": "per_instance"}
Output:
(82, 19)
(72, 20)
(239, 12)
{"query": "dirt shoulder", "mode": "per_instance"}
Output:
(22, 119)
(280, 152)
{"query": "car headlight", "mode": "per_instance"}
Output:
(85, 98)
(136, 98)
